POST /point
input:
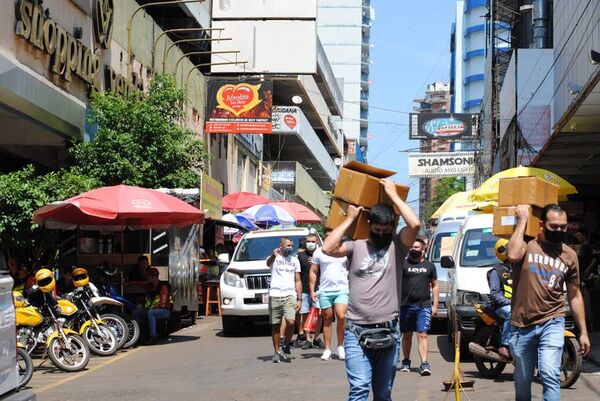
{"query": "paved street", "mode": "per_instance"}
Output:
(199, 364)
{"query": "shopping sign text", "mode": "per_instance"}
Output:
(443, 164)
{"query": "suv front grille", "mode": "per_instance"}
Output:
(258, 282)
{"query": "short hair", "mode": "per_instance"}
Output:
(421, 241)
(551, 207)
(310, 235)
(382, 214)
(285, 239)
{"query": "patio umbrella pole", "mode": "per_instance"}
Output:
(122, 257)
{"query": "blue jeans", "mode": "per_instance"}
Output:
(539, 344)
(366, 369)
(504, 313)
(151, 316)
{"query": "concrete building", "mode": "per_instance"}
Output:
(278, 40)
(344, 28)
(436, 100)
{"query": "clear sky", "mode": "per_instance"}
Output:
(411, 49)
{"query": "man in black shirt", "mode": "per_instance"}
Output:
(304, 339)
(419, 281)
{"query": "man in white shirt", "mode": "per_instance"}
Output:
(285, 296)
(332, 296)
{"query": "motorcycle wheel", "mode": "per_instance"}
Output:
(25, 365)
(570, 364)
(488, 336)
(134, 332)
(119, 327)
(70, 357)
(98, 345)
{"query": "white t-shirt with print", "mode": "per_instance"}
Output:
(334, 271)
(283, 275)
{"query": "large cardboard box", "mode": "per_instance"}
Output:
(402, 191)
(526, 191)
(360, 184)
(337, 214)
(505, 221)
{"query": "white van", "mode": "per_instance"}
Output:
(472, 257)
(245, 283)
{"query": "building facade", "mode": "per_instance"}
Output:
(345, 29)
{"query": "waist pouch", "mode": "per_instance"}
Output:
(375, 339)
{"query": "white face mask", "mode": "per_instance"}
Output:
(311, 246)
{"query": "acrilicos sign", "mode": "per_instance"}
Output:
(443, 164)
(68, 55)
(441, 125)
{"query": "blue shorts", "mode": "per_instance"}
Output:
(307, 302)
(415, 318)
(329, 298)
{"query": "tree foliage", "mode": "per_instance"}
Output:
(140, 141)
(444, 188)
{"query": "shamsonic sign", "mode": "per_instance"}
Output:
(443, 164)
(442, 126)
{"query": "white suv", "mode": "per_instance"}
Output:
(245, 282)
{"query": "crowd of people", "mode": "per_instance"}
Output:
(382, 290)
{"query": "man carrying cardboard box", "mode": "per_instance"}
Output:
(371, 340)
(540, 267)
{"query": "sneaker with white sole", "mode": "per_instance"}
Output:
(341, 353)
(425, 369)
(405, 366)
(326, 355)
(275, 358)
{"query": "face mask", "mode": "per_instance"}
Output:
(285, 252)
(381, 240)
(555, 237)
(311, 246)
(414, 254)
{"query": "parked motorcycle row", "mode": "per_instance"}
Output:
(65, 331)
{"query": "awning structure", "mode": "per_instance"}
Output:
(573, 151)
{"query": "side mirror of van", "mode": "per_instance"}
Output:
(223, 259)
(447, 262)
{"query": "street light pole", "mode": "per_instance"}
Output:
(200, 53)
(166, 53)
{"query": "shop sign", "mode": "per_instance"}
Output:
(442, 125)
(235, 107)
(212, 197)
(102, 14)
(68, 55)
(442, 164)
(286, 119)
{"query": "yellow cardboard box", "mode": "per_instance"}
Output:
(360, 184)
(526, 191)
(505, 221)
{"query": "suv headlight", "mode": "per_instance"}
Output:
(232, 279)
(470, 298)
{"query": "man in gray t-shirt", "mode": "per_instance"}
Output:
(375, 283)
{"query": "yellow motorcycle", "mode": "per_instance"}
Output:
(37, 326)
(24, 364)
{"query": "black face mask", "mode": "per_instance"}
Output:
(414, 254)
(555, 237)
(381, 240)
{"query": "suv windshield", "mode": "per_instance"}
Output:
(260, 248)
(478, 248)
(436, 249)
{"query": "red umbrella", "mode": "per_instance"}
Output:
(242, 200)
(301, 213)
(117, 207)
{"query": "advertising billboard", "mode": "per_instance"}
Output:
(286, 119)
(235, 107)
(442, 126)
(442, 164)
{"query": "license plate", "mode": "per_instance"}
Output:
(265, 298)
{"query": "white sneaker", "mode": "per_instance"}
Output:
(341, 353)
(326, 355)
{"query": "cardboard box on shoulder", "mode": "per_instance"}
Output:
(337, 214)
(526, 191)
(402, 191)
(360, 184)
(505, 221)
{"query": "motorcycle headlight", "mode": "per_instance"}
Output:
(232, 279)
(470, 298)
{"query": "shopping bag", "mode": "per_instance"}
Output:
(311, 319)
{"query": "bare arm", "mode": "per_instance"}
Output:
(413, 225)
(312, 280)
(576, 303)
(516, 247)
(298, 283)
(271, 258)
(435, 289)
(333, 245)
